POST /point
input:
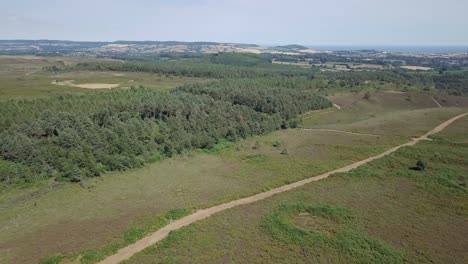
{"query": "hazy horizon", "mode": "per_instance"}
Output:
(308, 23)
(253, 43)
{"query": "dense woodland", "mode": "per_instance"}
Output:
(196, 68)
(72, 137)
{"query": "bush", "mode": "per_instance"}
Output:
(277, 144)
(11, 172)
(421, 165)
(257, 145)
(367, 95)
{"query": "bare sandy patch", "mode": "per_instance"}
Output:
(416, 68)
(87, 85)
(97, 85)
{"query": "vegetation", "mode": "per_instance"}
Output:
(218, 133)
(453, 83)
(333, 230)
(224, 67)
(82, 136)
(353, 217)
(240, 65)
(237, 59)
(129, 236)
(421, 165)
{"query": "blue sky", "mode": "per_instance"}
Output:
(331, 22)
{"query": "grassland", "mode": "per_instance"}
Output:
(383, 212)
(384, 113)
(92, 217)
(23, 77)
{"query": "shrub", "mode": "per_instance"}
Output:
(277, 144)
(257, 145)
(11, 172)
(421, 165)
(367, 95)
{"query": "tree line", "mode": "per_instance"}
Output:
(213, 67)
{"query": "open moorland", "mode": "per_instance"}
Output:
(382, 212)
(24, 77)
(104, 152)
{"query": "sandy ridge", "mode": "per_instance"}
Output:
(127, 252)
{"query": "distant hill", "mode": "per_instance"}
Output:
(121, 47)
(136, 49)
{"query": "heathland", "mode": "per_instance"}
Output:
(97, 153)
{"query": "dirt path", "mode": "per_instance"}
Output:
(435, 101)
(340, 131)
(337, 106)
(31, 73)
(127, 252)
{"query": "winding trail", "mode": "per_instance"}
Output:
(340, 131)
(127, 252)
(31, 73)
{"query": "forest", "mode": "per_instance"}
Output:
(76, 136)
(217, 68)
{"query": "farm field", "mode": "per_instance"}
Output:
(68, 219)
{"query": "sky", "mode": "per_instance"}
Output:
(265, 22)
